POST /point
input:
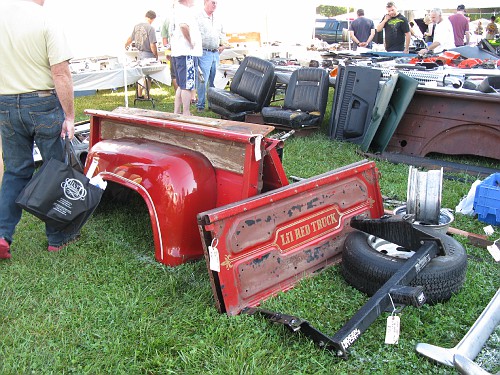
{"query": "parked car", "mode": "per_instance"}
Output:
(331, 30)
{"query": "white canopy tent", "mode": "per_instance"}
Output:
(97, 27)
(276, 20)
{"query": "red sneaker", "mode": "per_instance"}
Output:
(4, 249)
(62, 246)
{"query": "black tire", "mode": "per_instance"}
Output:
(367, 269)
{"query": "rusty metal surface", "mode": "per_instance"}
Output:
(450, 124)
(223, 154)
(267, 243)
(233, 132)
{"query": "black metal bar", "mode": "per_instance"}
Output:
(365, 316)
(426, 246)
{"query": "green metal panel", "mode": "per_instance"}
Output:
(401, 98)
(381, 104)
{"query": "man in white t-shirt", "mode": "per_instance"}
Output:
(186, 48)
(443, 34)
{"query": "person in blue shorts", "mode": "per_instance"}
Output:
(186, 48)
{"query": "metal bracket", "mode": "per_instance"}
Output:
(295, 324)
(397, 230)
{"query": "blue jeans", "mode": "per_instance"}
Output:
(24, 119)
(208, 64)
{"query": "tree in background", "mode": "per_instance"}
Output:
(330, 10)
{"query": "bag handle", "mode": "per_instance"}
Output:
(70, 154)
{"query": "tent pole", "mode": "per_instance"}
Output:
(125, 80)
(348, 27)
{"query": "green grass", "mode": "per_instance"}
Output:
(104, 305)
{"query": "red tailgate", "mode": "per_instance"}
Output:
(267, 243)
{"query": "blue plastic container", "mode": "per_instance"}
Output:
(487, 200)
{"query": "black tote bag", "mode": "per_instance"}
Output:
(60, 195)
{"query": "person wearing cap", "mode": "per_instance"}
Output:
(396, 29)
(460, 25)
(362, 30)
(443, 34)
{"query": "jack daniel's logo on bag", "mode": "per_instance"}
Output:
(73, 189)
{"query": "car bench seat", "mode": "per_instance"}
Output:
(305, 100)
(250, 90)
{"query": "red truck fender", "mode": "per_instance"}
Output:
(175, 183)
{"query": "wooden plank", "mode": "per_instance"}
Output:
(234, 126)
(222, 154)
(475, 239)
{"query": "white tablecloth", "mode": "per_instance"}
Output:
(109, 79)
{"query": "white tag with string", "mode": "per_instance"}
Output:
(393, 326)
(494, 251)
(213, 254)
(258, 154)
(92, 168)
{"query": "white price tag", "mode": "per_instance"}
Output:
(214, 258)
(92, 168)
(258, 154)
(494, 251)
(392, 330)
(489, 230)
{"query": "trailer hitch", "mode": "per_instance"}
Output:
(396, 290)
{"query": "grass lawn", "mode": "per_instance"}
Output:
(104, 305)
